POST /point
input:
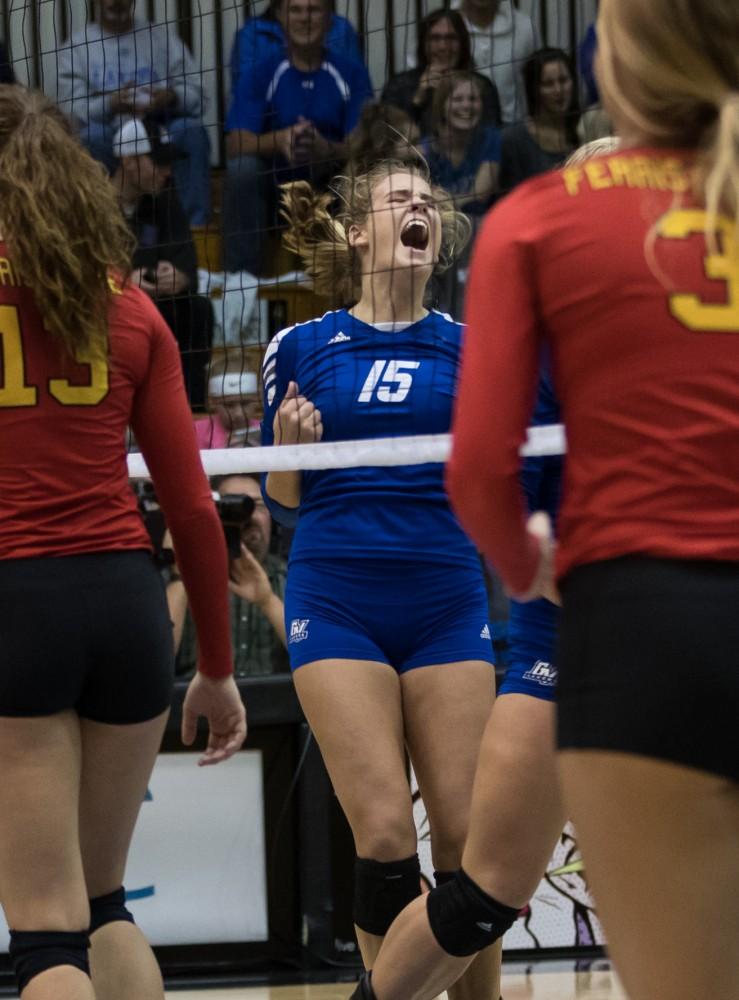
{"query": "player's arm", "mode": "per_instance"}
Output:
(163, 426)
(289, 418)
(495, 399)
(297, 421)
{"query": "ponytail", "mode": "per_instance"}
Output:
(61, 221)
(319, 240)
(720, 174)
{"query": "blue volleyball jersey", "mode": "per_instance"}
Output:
(274, 94)
(371, 383)
(532, 626)
(541, 475)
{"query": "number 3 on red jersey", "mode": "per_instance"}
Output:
(15, 392)
(690, 309)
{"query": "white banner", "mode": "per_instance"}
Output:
(196, 873)
(561, 912)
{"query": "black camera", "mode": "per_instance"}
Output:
(235, 511)
(153, 518)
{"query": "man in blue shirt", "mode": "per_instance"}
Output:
(263, 35)
(290, 114)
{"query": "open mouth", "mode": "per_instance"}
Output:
(415, 234)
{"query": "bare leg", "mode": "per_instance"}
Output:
(42, 885)
(446, 710)
(117, 762)
(354, 710)
(661, 847)
(516, 818)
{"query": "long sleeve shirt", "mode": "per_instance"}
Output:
(94, 65)
(608, 263)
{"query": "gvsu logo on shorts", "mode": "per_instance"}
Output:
(543, 673)
(298, 629)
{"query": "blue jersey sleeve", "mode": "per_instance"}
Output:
(255, 41)
(278, 370)
(343, 39)
(361, 93)
(249, 106)
(492, 147)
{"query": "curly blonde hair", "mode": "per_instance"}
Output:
(669, 69)
(61, 221)
(319, 236)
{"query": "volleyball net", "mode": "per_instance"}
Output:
(411, 450)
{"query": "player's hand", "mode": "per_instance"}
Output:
(297, 420)
(543, 585)
(218, 700)
(248, 579)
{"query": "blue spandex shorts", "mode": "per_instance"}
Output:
(404, 614)
(532, 630)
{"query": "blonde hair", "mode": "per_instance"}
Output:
(320, 238)
(669, 69)
(445, 89)
(596, 147)
(61, 221)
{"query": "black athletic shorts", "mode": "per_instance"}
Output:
(88, 632)
(648, 660)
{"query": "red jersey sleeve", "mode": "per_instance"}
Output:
(163, 426)
(495, 400)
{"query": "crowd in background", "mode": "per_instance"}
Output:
(480, 100)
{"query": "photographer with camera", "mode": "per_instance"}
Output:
(257, 585)
(164, 262)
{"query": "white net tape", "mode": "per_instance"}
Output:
(548, 440)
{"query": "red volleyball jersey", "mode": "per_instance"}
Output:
(608, 263)
(64, 486)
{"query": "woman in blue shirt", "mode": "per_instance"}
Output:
(463, 153)
(386, 609)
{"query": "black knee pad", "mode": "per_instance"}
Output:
(32, 952)
(382, 889)
(364, 989)
(441, 878)
(108, 908)
(464, 918)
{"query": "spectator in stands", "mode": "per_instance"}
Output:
(119, 67)
(463, 153)
(443, 47)
(289, 118)
(262, 36)
(586, 55)
(503, 37)
(6, 68)
(549, 134)
(164, 261)
(384, 132)
(235, 407)
(257, 591)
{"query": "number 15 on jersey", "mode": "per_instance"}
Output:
(388, 381)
